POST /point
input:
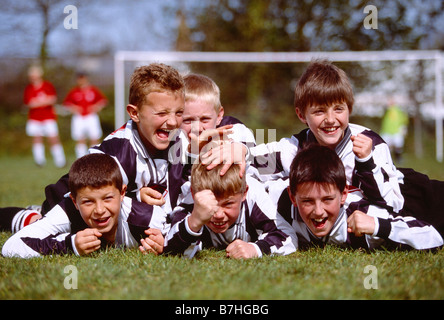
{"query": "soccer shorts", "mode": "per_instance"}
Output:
(86, 127)
(45, 128)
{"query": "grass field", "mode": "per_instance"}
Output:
(329, 273)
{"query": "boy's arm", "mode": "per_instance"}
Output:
(263, 216)
(49, 235)
(400, 231)
(376, 174)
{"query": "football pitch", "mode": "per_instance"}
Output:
(329, 273)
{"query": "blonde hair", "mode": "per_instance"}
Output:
(200, 87)
(222, 186)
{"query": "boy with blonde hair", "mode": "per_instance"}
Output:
(230, 212)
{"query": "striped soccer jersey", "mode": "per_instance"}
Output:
(376, 176)
(255, 224)
(56, 232)
(390, 231)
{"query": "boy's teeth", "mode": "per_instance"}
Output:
(318, 220)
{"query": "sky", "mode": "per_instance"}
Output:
(116, 24)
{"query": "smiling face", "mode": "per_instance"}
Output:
(328, 123)
(100, 208)
(318, 205)
(158, 118)
(200, 115)
(228, 212)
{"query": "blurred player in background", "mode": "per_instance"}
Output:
(85, 101)
(39, 97)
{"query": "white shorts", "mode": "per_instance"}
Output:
(86, 127)
(46, 128)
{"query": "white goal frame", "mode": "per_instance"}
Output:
(272, 57)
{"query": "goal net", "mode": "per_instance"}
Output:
(394, 73)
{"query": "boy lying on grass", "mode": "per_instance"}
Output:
(98, 193)
(318, 208)
(230, 212)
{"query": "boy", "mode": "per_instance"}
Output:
(98, 192)
(203, 111)
(85, 101)
(230, 213)
(39, 97)
(318, 208)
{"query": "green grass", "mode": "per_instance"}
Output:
(330, 273)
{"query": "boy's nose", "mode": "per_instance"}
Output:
(172, 121)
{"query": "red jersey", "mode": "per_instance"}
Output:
(84, 98)
(44, 112)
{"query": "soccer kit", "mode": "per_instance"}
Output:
(390, 231)
(255, 224)
(56, 232)
(376, 175)
(85, 122)
(138, 169)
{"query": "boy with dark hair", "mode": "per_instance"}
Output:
(230, 212)
(98, 192)
(319, 208)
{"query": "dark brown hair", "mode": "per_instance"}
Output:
(319, 164)
(94, 170)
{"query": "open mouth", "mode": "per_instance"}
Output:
(330, 130)
(219, 225)
(102, 221)
(319, 223)
(163, 134)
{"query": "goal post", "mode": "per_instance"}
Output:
(281, 57)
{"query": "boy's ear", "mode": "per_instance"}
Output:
(73, 201)
(220, 115)
(344, 195)
(292, 199)
(123, 191)
(300, 115)
(245, 193)
(133, 112)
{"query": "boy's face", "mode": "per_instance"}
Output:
(226, 216)
(200, 115)
(318, 205)
(157, 118)
(328, 123)
(100, 207)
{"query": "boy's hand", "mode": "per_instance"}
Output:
(205, 206)
(151, 196)
(208, 138)
(362, 145)
(153, 243)
(360, 223)
(228, 153)
(87, 241)
(239, 249)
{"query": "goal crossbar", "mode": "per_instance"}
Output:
(121, 57)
